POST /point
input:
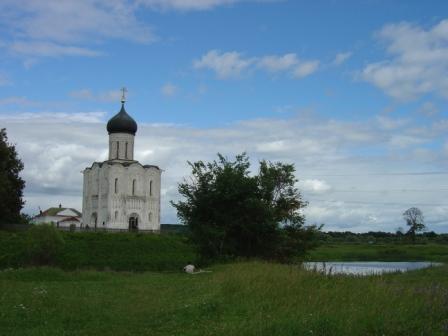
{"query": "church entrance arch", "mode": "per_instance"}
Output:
(133, 222)
(94, 220)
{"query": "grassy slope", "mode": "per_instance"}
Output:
(121, 252)
(236, 299)
(380, 252)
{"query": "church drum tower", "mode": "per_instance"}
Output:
(121, 193)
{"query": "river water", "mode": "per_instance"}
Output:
(366, 267)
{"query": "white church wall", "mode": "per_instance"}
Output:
(126, 201)
(91, 195)
(121, 146)
(153, 177)
(113, 204)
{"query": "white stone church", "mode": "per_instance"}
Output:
(121, 193)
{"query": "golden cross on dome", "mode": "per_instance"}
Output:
(123, 94)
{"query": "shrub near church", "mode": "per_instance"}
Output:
(231, 213)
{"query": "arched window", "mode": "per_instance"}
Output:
(149, 217)
(126, 151)
(116, 185)
(118, 149)
(133, 187)
(150, 188)
(116, 214)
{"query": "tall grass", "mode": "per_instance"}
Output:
(249, 298)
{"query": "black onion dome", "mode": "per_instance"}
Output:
(122, 122)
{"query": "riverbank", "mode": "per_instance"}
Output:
(380, 252)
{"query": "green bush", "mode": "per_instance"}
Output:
(44, 244)
(230, 212)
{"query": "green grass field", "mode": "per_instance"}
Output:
(106, 251)
(84, 296)
(251, 298)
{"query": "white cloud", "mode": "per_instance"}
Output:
(306, 69)
(233, 64)
(225, 65)
(404, 140)
(71, 27)
(17, 100)
(4, 80)
(391, 123)
(440, 126)
(29, 62)
(360, 218)
(192, 5)
(64, 28)
(429, 109)
(272, 146)
(56, 147)
(54, 117)
(49, 49)
(341, 58)
(418, 64)
(85, 94)
(186, 5)
(278, 63)
(169, 90)
(105, 96)
(75, 21)
(315, 185)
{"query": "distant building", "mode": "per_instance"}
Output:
(60, 217)
(121, 193)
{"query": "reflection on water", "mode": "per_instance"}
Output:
(366, 267)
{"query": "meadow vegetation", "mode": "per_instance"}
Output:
(83, 294)
(95, 250)
(248, 298)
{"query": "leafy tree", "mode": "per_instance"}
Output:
(11, 184)
(414, 219)
(231, 213)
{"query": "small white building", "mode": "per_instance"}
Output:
(60, 217)
(121, 193)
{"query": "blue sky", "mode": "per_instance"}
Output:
(353, 93)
